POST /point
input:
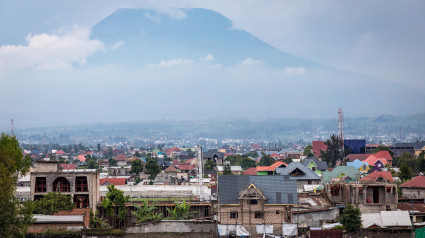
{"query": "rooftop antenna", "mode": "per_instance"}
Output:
(12, 131)
(200, 171)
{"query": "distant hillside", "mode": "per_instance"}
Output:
(270, 129)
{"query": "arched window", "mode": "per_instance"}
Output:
(61, 185)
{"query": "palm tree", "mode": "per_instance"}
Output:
(335, 150)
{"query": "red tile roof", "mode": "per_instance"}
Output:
(250, 171)
(371, 160)
(121, 157)
(386, 175)
(271, 167)
(317, 147)
(81, 158)
(360, 157)
(114, 181)
(171, 169)
(408, 207)
(68, 166)
(416, 182)
(177, 162)
(60, 152)
(186, 167)
(383, 154)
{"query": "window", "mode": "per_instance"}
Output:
(259, 215)
(360, 190)
(253, 202)
(313, 168)
(81, 184)
(335, 190)
(81, 201)
(388, 207)
(277, 212)
(389, 190)
(233, 215)
(40, 185)
(61, 185)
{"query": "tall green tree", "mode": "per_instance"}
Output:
(114, 203)
(14, 217)
(209, 165)
(334, 151)
(266, 160)
(421, 159)
(405, 172)
(136, 167)
(247, 163)
(152, 169)
(112, 162)
(308, 151)
(351, 218)
(227, 170)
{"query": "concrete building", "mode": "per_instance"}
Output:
(81, 184)
(256, 200)
(369, 197)
(414, 188)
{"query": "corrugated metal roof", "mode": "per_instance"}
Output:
(370, 219)
(308, 173)
(274, 188)
(395, 218)
(232, 168)
(58, 219)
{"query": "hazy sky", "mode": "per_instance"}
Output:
(381, 38)
(46, 45)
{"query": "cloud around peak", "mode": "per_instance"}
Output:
(50, 51)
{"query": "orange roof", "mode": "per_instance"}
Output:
(81, 158)
(371, 160)
(271, 167)
(251, 171)
(121, 157)
(383, 154)
(386, 175)
(114, 181)
(171, 169)
(416, 182)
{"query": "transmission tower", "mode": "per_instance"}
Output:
(12, 131)
(340, 123)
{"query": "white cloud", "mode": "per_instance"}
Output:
(44, 51)
(209, 57)
(154, 18)
(117, 45)
(249, 61)
(294, 70)
(172, 62)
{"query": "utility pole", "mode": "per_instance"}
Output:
(200, 171)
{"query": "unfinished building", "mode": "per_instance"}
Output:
(81, 184)
(369, 197)
(256, 200)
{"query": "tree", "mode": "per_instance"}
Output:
(136, 167)
(334, 151)
(209, 165)
(152, 169)
(266, 160)
(91, 162)
(180, 211)
(112, 162)
(97, 222)
(114, 203)
(14, 217)
(351, 218)
(227, 170)
(308, 151)
(421, 159)
(288, 160)
(384, 148)
(137, 154)
(146, 212)
(252, 154)
(247, 163)
(405, 172)
(53, 202)
(409, 161)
